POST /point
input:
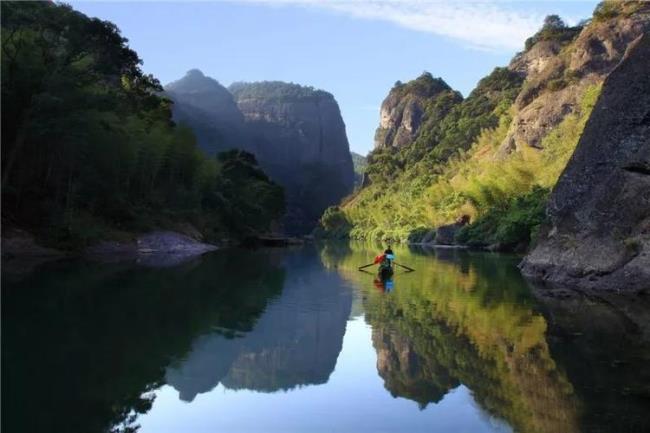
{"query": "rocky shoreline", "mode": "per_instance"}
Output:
(21, 244)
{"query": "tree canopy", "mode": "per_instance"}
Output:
(88, 142)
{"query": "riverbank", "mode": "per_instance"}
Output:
(17, 243)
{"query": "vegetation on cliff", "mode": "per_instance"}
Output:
(493, 157)
(89, 147)
(276, 91)
(360, 164)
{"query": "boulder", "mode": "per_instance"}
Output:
(171, 242)
(445, 235)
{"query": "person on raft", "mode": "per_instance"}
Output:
(386, 258)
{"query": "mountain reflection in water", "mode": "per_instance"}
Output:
(298, 340)
(295, 342)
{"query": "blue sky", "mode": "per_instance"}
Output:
(354, 49)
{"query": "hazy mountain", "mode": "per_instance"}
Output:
(296, 133)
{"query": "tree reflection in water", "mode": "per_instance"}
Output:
(83, 344)
(469, 318)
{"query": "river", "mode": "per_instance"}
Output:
(298, 340)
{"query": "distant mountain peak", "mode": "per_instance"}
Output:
(194, 73)
(196, 81)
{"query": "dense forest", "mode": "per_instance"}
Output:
(493, 157)
(89, 148)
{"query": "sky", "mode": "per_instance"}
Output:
(354, 49)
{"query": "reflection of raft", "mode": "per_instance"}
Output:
(385, 271)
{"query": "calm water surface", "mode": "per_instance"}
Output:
(298, 340)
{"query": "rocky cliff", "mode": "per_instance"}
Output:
(561, 63)
(599, 231)
(300, 140)
(296, 132)
(408, 105)
(207, 107)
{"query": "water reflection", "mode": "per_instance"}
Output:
(84, 344)
(295, 342)
(462, 343)
(470, 319)
(605, 353)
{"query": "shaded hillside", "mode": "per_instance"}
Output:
(89, 149)
(598, 235)
(360, 164)
(296, 133)
(300, 139)
(491, 158)
(207, 107)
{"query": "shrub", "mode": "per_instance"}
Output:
(510, 226)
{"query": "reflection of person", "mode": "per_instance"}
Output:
(385, 286)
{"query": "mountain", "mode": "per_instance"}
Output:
(359, 162)
(209, 109)
(479, 170)
(408, 105)
(296, 133)
(300, 139)
(599, 230)
(89, 149)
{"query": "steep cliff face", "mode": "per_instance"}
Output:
(407, 106)
(296, 132)
(300, 140)
(599, 233)
(207, 107)
(562, 64)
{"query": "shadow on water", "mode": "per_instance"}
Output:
(469, 318)
(83, 343)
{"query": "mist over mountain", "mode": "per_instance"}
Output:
(296, 132)
(209, 109)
